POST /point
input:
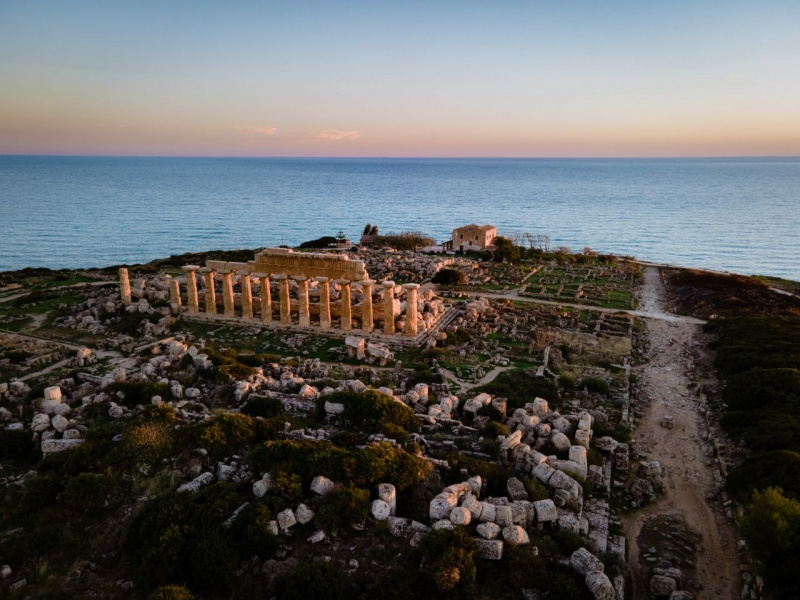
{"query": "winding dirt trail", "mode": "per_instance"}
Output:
(688, 478)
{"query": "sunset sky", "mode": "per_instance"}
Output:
(403, 78)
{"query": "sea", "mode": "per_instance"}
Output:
(739, 215)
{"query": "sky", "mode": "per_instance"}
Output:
(434, 78)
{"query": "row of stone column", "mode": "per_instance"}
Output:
(367, 318)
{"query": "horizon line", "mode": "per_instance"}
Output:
(420, 157)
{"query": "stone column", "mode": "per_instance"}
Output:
(388, 307)
(286, 307)
(174, 296)
(191, 288)
(344, 310)
(367, 323)
(266, 297)
(124, 286)
(302, 297)
(411, 308)
(324, 303)
(227, 293)
(247, 294)
(211, 294)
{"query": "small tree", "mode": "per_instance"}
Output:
(367, 229)
(505, 249)
(449, 277)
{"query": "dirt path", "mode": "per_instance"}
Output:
(468, 385)
(688, 478)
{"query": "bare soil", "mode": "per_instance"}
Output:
(688, 472)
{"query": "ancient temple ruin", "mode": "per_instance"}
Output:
(322, 291)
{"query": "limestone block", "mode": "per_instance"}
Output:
(489, 549)
(543, 472)
(662, 586)
(562, 481)
(473, 505)
(273, 528)
(303, 514)
(308, 392)
(399, 527)
(522, 513)
(583, 437)
(444, 525)
(560, 441)
(196, 483)
(334, 408)
(546, 511)
(387, 493)
(606, 444)
(317, 537)
(286, 519)
(578, 455)
(380, 510)
(71, 434)
(488, 531)
(488, 512)
(60, 423)
(460, 516)
(475, 484)
(52, 393)
(503, 516)
(441, 506)
(561, 424)
(540, 407)
(322, 485)
(40, 422)
(600, 586)
(53, 446)
(262, 486)
(515, 535)
(511, 441)
(516, 490)
(584, 562)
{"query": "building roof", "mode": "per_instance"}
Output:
(479, 227)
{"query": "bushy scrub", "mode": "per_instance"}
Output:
(16, 445)
(342, 507)
(148, 442)
(179, 539)
(595, 385)
(451, 554)
(229, 432)
(87, 491)
(262, 407)
(137, 392)
(373, 412)
(520, 387)
(314, 580)
(449, 277)
(172, 592)
(228, 366)
(367, 467)
(250, 532)
(769, 469)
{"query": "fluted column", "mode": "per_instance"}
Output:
(324, 303)
(266, 297)
(174, 296)
(367, 321)
(304, 315)
(411, 308)
(388, 307)
(211, 294)
(247, 294)
(124, 286)
(286, 307)
(227, 293)
(345, 310)
(191, 288)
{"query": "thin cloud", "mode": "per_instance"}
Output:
(335, 134)
(257, 129)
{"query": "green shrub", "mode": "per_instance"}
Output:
(759, 389)
(449, 277)
(367, 467)
(16, 445)
(263, 407)
(596, 385)
(451, 554)
(148, 442)
(520, 387)
(137, 392)
(314, 580)
(178, 538)
(492, 429)
(373, 412)
(567, 541)
(250, 533)
(172, 592)
(343, 507)
(86, 491)
(769, 469)
(228, 432)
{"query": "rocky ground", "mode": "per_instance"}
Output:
(666, 381)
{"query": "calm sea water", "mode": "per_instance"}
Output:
(738, 215)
